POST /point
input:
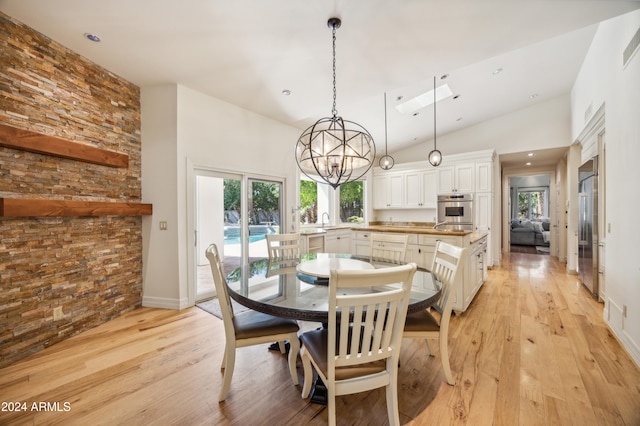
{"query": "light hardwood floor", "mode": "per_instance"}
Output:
(532, 349)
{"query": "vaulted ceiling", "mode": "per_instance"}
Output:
(498, 56)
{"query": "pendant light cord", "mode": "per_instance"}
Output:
(434, 113)
(385, 124)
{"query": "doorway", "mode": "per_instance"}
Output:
(220, 202)
(530, 209)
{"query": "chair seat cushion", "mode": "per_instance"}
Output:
(250, 324)
(421, 321)
(316, 343)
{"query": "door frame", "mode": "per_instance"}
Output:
(191, 219)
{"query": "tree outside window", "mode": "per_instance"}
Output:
(531, 205)
(352, 202)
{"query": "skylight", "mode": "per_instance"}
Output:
(425, 99)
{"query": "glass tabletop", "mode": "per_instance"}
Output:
(288, 289)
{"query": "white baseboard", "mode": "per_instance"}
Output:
(165, 303)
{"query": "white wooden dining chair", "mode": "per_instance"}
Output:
(445, 268)
(283, 246)
(390, 247)
(248, 328)
(359, 354)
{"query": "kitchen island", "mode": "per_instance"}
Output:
(355, 239)
(421, 247)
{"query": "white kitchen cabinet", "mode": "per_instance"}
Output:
(483, 204)
(456, 178)
(475, 273)
(484, 171)
(420, 189)
(388, 190)
(312, 242)
(360, 243)
(338, 241)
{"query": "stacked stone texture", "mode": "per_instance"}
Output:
(89, 266)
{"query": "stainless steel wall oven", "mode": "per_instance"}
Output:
(455, 211)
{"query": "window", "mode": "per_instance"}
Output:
(352, 202)
(315, 201)
(318, 201)
(532, 204)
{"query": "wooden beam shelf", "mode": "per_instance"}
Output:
(25, 140)
(31, 207)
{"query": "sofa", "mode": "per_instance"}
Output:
(526, 232)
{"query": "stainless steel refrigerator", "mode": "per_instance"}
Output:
(588, 225)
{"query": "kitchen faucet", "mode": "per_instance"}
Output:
(438, 224)
(323, 218)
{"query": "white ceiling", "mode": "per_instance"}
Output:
(247, 52)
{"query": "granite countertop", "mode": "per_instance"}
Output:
(410, 228)
(403, 227)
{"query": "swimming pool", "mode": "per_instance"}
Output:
(236, 239)
(256, 233)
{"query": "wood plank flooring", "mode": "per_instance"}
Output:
(531, 349)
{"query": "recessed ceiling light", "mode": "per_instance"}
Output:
(286, 92)
(497, 71)
(459, 119)
(424, 100)
(456, 96)
(529, 163)
(92, 37)
(535, 95)
(444, 76)
(415, 114)
(531, 154)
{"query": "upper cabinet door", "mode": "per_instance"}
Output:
(413, 196)
(388, 191)
(458, 178)
(483, 176)
(465, 178)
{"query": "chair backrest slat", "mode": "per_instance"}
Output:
(283, 246)
(226, 308)
(390, 247)
(367, 309)
(447, 260)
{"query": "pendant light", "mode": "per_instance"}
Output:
(435, 156)
(333, 150)
(386, 161)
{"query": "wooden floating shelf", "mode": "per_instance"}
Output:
(29, 207)
(25, 140)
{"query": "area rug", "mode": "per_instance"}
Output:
(213, 307)
(542, 249)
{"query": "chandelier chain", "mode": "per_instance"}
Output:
(334, 111)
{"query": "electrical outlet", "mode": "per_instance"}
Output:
(163, 225)
(57, 313)
(624, 311)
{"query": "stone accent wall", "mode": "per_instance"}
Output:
(90, 267)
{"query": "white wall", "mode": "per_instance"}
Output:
(183, 128)
(542, 126)
(603, 81)
(159, 187)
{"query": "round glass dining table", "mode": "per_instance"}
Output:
(298, 289)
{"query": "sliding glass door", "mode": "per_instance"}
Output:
(235, 212)
(264, 214)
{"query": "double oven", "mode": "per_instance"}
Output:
(455, 212)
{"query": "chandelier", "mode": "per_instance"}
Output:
(334, 150)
